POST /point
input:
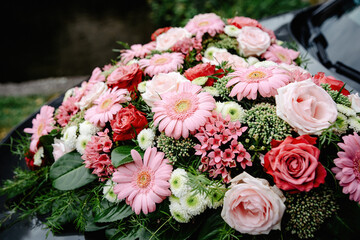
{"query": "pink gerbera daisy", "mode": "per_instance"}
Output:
(279, 54)
(183, 111)
(162, 63)
(143, 182)
(248, 81)
(205, 23)
(43, 123)
(137, 50)
(347, 168)
(106, 106)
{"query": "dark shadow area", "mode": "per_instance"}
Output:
(66, 38)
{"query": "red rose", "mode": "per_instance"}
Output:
(333, 82)
(294, 164)
(202, 70)
(126, 121)
(240, 22)
(158, 32)
(125, 77)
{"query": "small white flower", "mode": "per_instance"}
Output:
(81, 142)
(193, 203)
(146, 138)
(87, 128)
(354, 123)
(219, 107)
(209, 53)
(232, 31)
(345, 110)
(174, 199)
(132, 61)
(178, 182)
(142, 86)
(199, 81)
(179, 213)
(69, 137)
(236, 112)
(108, 192)
(341, 124)
(68, 94)
(355, 102)
(265, 64)
(213, 91)
(59, 149)
(252, 60)
(39, 156)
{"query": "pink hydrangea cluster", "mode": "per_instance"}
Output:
(67, 109)
(96, 155)
(219, 147)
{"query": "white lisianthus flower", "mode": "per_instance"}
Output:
(81, 142)
(96, 90)
(265, 64)
(345, 110)
(39, 156)
(252, 60)
(108, 192)
(219, 107)
(142, 87)
(213, 91)
(146, 138)
(178, 182)
(193, 203)
(236, 112)
(179, 213)
(69, 137)
(168, 39)
(232, 30)
(87, 128)
(59, 149)
(209, 53)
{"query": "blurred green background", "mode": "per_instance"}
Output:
(14, 109)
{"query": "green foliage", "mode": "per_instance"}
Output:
(178, 12)
(336, 96)
(121, 155)
(69, 172)
(114, 213)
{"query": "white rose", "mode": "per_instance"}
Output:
(253, 41)
(162, 83)
(355, 102)
(168, 39)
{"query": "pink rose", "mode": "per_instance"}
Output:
(161, 83)
(128, 76)
(294, 164)
(308, 108)
(168, 39)
(233, 61)
(253, 41)
(241, 22)
(251, 206)
(296, 73)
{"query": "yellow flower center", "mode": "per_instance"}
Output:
(182, 106)
(256, 75)
(143, 179)
(40, 128)
(105, 104)
(282, 57)
(204, 23)
(161, 61)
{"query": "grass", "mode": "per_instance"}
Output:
(14, 110)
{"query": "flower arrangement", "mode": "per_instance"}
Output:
(212, 130)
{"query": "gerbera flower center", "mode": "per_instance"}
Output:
(182, 106)
(40, 128)
(143, 179)
(256, 75)
(203, 23)
(161, 61)
(105, 104)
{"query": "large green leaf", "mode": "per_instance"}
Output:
(114, 213)
(121, 155)
(69, 172)
(211, 227)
